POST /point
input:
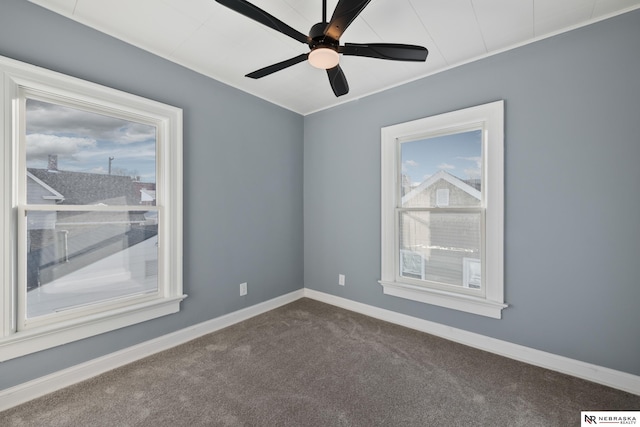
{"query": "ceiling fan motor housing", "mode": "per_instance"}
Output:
(318, 38)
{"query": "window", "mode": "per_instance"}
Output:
(442, 210)
(91, 232)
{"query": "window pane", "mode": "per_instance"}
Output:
(76, 157)
(441, 247)
(79, 257)
(443, 171)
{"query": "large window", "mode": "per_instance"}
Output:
(91, 221)
(442, 210)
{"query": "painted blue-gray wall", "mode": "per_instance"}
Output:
(242, 179)
(572, 178)
(572, 148)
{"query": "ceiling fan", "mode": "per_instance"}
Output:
(324, 41)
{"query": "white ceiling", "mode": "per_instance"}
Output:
(218, 42)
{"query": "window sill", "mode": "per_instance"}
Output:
(37, 339)
(469, 304)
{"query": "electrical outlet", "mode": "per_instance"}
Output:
(243, 289)
(341, 279)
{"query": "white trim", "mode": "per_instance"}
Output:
(38, 339)
(58, 380)
(587, 371)
(7, 233)
(19, 335)
(25, 392)
(488, 301)
(466, 303)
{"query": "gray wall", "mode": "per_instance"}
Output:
(242, 179)
(572, 148)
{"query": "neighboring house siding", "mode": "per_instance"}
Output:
(44, 243)
(442, 239)
(65, 241)
(427, 197)
(38, 192)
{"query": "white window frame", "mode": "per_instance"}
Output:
(490, 118)
(19, 80)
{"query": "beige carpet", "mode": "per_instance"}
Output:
(312, 364)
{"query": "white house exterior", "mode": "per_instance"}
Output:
(439, 245)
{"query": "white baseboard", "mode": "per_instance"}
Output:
(597, 374)
(39, 387)
(44, 385)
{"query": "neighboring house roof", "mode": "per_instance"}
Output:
(146, 191)
(54, 195)
(147, 195)
(81, 188)
(442, 175)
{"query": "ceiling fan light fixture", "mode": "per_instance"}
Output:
(324, 58)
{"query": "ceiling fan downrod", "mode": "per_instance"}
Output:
(324, 11)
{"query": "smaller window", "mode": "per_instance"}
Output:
(442, 197)
(442, 210)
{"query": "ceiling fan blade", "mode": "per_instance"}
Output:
(392, 51)
(344, 14)
(253, 12)
(338, 81)
(277, 67)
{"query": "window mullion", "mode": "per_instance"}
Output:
(88, 208)
(442, 210)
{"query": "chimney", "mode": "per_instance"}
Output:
(53, 162)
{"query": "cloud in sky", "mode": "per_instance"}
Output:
(135, 132)
(476, 159)
(409, 164)
(39, 146)
(44, 117)
(445, 166)
(459, 154)
(88, 142)
(473, 172)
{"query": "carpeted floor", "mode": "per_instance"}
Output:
(312, 364)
